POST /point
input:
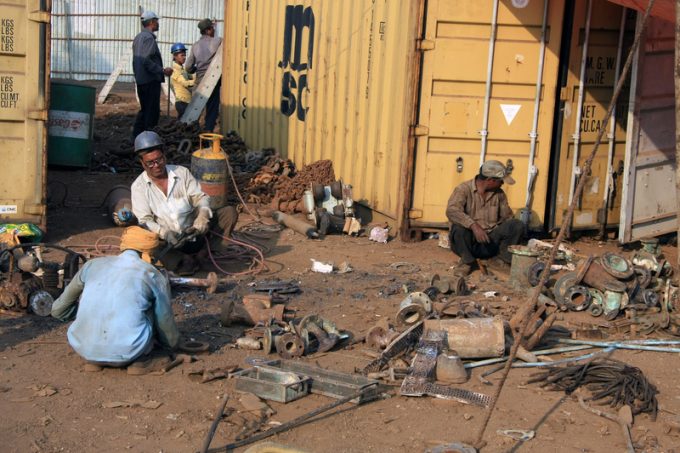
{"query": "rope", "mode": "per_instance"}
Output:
(530, 305)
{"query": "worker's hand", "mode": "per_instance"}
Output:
(202, 222)
(169, 237)
(167, 71)
(480, 234)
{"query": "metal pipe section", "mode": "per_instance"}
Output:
(575, 169)
(525, 214)
(537, 353)
(489, 74)
(609, 178)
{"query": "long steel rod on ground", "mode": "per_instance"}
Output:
(288, 425)
(531, 303)
(213, 427)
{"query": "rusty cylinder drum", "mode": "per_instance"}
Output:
(209, 167)
(471, 338)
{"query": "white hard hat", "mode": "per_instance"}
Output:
(148, 15)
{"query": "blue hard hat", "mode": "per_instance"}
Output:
(177, 47)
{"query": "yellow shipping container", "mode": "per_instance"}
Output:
(322, 79)
(24, 75)
(409, 97)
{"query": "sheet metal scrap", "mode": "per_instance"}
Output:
(420, 379)
(614, 382)
(403, 343)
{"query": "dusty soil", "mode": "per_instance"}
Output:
(50, 404)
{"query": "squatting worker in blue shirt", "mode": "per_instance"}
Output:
(124, 306)
(147, 65)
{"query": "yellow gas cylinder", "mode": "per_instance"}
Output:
(209, 167)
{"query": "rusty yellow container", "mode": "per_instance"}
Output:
(408, 98)
(24, 100)
(209, 167)
(321, 79)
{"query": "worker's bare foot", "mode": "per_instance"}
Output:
(147, 364)
(462, 269)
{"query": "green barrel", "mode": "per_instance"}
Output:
(71, 124)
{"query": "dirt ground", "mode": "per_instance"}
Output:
(49, 404)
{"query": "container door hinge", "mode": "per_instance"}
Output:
(415, 213)
(38, 115)
(420, 130)
(34, 209)
(425, 44)
(39, 16)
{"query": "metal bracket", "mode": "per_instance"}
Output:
(426, 44)
(39, 16)
(38, 115)
(420, 130)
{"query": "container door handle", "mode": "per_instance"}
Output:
(39, 16)
(38, 115)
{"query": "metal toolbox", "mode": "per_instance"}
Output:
(272, 384)
(329, 383)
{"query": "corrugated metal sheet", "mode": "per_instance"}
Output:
(24, 49)
(326, 80)
(90, 36)
(649, 206)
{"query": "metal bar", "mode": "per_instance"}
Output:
(285, 426)
(575, 169)
(489, 74)
(122, 15)
(538, 353)
(69, 41)
(213, 426)
(525, 214)
(609, 178)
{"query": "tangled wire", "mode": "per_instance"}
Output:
(615, 382)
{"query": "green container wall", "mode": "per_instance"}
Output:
(71, 123)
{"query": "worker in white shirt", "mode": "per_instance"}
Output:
(167, 200)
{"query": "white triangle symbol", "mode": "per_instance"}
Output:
(510, 112)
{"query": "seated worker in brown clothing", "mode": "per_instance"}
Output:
(481, 219)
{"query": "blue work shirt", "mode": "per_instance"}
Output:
(147, 64)
(123, 300)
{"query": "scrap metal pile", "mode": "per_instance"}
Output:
(30, 282)
(611, 285)
(614, 382)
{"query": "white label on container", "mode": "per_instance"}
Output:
(510, 112)
(8, 209)
(69, 124)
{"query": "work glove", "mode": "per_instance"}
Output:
(168, 236)
(202, 221)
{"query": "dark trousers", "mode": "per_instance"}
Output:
(180, 107)
(212, 108)
(150, 101)
(464, 244)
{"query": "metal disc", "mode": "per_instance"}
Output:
(616, 265)
(41, 303)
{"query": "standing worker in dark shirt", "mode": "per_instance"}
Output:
(482, 225)
(202, 53)
(149, 74)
